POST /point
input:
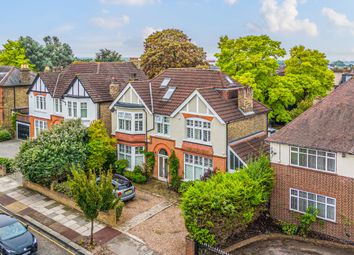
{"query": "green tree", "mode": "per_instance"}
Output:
(100, 146)
(57, 54)
(90, 196)
(48, 158)
(14, 54)
(106, 55)
(170, 48)
(173, 164)
(34, 52)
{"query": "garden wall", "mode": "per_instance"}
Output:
(108, 218)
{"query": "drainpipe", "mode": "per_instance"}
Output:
(227, 147)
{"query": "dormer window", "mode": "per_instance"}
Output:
(165, 82)
(169, 93)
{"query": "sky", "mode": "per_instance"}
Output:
(122, 25)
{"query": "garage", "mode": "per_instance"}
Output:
(23, 130)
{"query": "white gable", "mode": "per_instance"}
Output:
(39, 86)
(77, 90)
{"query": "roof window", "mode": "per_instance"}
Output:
(229, 80)
(165, 82)
(169, 93)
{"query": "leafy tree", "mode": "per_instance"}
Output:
(106, 55)
(57, 54)
(170, 48)
(14, 54)
(216, 209)
(173, 164)
(90, 196)
(34, 52)
(100, 146)
(47, 158)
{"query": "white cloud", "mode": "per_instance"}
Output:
(65, 28)
(129, 2)
(149, 30)
(231, 2)
(284, 17)
(338, 19)
(110, 22)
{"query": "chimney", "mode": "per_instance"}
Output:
(25, 74)
(245, 100)
(228, 93)
(114, 88)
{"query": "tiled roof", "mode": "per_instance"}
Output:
(328, 125)
(11, 76)
(251, 147)
(186, 81)
(95, 77)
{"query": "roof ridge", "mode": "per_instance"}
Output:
(4, 79)
(56, 84)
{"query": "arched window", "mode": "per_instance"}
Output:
(163, 152)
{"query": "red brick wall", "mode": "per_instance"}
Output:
(53, 121)
(339, 187)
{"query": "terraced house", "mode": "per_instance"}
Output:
(81, 90)
(313, 157)
(208, 119)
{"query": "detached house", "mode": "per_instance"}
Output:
(313, 157)
(209, 121)
(81, 90)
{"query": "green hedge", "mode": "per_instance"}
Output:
(8, 163)
(136, 176)
(5, 135)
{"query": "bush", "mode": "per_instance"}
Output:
(119, 209)
(8, 164)
(288, 228)
(306, 220)
(120, 166)
(185, 186)
(173, 163)
(136, 176)
(5, 135)
(64, 188)
(221, 207)
(48, 158)
(109, 201)
(149, 163)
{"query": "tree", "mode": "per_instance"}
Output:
(100, 146)
(47, 159)
(106, 55)
(14, 54)
(170, 48)
(173, 164)
(91, 196)
(34, 52)
(217, 209)
(57, 54)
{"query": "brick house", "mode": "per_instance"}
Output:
(313, 157)
(81, 90)
(14, 83)
(208, 119)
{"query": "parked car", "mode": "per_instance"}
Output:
(122, 187)
(15, 239)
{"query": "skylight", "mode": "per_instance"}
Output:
(169, 93)
(165, 82)
(229, 80)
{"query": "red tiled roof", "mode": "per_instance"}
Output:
(328, 125)
(251, 147)
(95, 77)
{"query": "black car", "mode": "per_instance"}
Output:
(15, 239)
(122, 187)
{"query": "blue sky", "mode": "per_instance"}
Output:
(88, 25)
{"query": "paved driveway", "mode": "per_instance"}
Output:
(9, 149)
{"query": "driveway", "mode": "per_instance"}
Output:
(9, 149)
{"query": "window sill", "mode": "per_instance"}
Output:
(314, 169)
(329, 220)
(43, 111)
(197, 142)
(162, 135)
(130, 132)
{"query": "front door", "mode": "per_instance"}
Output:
(163, 165)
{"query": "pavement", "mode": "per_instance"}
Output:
(67, 223)
(9, 149)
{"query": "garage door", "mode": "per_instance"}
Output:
(23, 130)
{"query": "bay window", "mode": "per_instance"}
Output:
(83, 110)
(198, 130)
(314, 159)
(301, 200)
(131, 122)
(162, 124)
(196, 166)
(133, 154)
(41, 103)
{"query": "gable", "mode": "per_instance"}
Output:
(130, 96)
(39, 86)
(76, 89)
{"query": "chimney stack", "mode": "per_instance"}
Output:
(114, 88)
(25, 74)
(245, 100)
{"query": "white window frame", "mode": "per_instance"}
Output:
(135, 121)
(58, 105)
(240, 162)
(308, 154)
(134, 152)
(41, 103)
(70, 109)
(75, 109)
(315, 201)
(163, 125)
(39, 126)
(205, 163)
(202, 129)
(85, 108)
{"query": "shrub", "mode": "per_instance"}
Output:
(120, 166)
(100, 147)
(5, 135)
(149, 163)
(119, 209)
(185, 186)
(306, 220)
(221, 207)
(109, 201)
(8, 164)
(173, 163)
(64, 188)
(48, 158)
(288, 228)
(136, 175)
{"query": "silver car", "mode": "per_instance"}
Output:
(122, 187)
